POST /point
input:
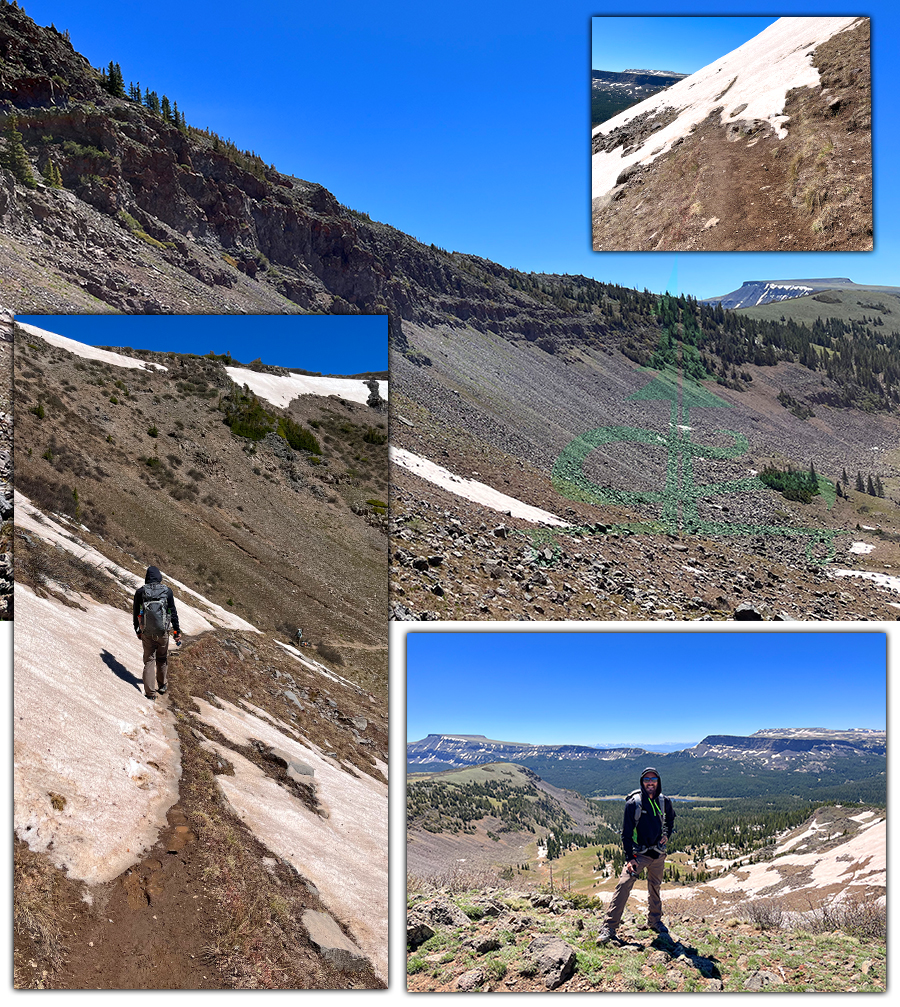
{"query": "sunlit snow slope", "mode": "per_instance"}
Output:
(753, 79)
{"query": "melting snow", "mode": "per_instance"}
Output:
(762, 70)
(281, 389)
(315, 666)
(345, 854)
(471, 489)
(864, 863)
(89, 735)
(881, 579)
(861, 547)
(90, 352)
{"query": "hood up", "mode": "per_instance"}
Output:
(153, 575)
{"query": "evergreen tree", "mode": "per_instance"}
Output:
(879, 489)
(860, 485)
(14, 157)
(52, 174)
(838, 488)
(870, 486)
(134, 92)
(165, 108)
(113, 81)
(844, 478)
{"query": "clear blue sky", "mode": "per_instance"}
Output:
(596, 688)
(465, 124)
(682, 44)
(331, 344)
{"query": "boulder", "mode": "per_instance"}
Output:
(443, 913)
(331, 943)
(554, 959)
(762, 979)
(417, 932)
(470, 980)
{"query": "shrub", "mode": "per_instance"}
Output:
(373, 436)
(153, 432)
(38, 410)
(299, 438)
(766, 915)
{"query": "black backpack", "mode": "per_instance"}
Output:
(155, 620)
(635, 797)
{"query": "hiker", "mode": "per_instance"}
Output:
(154, 613)
(648, 824)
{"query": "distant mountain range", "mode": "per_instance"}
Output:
(756, 292)
(817, 763)
(613, 92)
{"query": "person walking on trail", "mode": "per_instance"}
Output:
(648, 824)
(154, 613)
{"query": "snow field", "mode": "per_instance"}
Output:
(88, 735)
(471, 489)
(281, 389)
(90, 352)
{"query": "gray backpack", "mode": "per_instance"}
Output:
(155, 620)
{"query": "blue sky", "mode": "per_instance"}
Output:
(688, 43)
(331, 344)
(595, 688)
(465, 124)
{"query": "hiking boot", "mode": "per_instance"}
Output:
(606, 935)
(151, 696)
(659, 928)
(162, 690)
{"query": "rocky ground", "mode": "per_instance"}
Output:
(514, 941)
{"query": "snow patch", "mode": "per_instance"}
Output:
(880, 579)
(471, 489)
(861, 547)
(85, 732)
(90, 352)
(343, 854)
(281, 389)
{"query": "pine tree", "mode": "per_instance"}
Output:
(14, 158)
(52, 175)
(844, 478)
(860, 485)
(870, 486)
(165, 108)
(113, 81)
(879, 489)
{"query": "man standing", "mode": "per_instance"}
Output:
(648, 824)
(154, 613)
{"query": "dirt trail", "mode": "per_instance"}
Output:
(148, 928)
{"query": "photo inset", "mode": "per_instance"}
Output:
(733, 134)
(646, 812)
(201, 652)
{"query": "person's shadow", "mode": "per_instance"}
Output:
(120, 671)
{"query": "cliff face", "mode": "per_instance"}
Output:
(157, 218)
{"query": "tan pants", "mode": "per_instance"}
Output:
(156, 652)
(655, 869)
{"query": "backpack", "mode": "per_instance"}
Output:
(155, 620)
(635, 797)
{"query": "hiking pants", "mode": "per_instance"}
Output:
(156, 652)
(655, 869)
